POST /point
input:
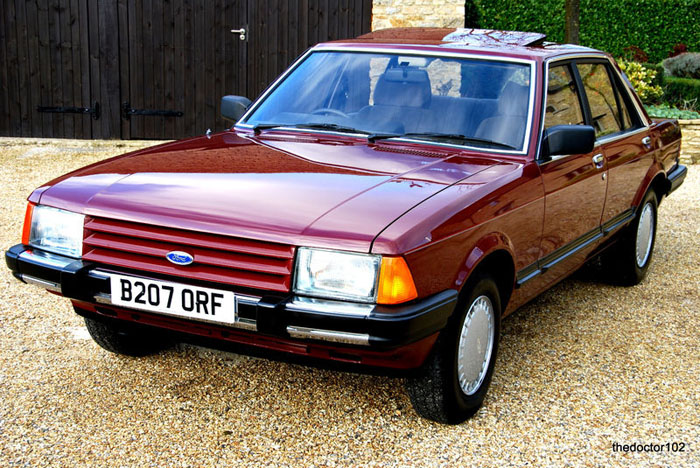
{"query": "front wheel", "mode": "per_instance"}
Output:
(124, 339)
(452, 384)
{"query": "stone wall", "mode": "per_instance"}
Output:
(690, 148)
(429, 13)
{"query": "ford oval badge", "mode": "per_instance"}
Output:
(179, 258)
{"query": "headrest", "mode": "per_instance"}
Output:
(403, 86)
(513, 99)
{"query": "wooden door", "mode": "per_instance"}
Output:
(150, 69)
(180, 59)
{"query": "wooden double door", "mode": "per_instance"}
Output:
(150, 69)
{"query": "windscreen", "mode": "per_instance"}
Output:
(476, 102)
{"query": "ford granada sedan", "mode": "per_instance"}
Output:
(383, 204)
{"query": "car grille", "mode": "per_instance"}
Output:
(240, 262)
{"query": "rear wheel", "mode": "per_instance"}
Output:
(452, 384)
(125, 339)
(629, 260)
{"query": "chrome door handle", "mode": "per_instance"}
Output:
(646, 141)
(241, 31)
(599, 161)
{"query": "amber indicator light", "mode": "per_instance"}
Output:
(27, 223)
(395, 282)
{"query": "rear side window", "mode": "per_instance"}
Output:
(563, 103)
(603, 102)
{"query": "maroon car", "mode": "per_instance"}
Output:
(385, 203)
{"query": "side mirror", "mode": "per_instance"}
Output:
(567, 139)
(233, 107)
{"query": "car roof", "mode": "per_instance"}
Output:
(488, 41)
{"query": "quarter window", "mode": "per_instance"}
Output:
(563, 103)
(602, 101)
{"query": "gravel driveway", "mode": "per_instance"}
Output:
(582, 367)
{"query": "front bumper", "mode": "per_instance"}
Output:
(384, 336)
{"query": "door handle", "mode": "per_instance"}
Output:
(599, 161)
(646, 141)
(241, 33)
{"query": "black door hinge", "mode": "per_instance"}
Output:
(128, 111)
(94, 110)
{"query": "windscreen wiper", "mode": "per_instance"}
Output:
(311, 125)
(441, 136)
(264, 126)
(330, 126)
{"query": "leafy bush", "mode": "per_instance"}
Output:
(643, 79)
(683, 66)
(671, 113)
(654, 26)
(682, 92)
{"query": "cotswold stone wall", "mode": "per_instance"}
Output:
(690, 147)
(404, 13)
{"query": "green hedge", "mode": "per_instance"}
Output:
(655, 26)
(682, 92)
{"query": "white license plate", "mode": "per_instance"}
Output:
(164, 297)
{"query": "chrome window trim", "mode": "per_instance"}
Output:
(606, 139)
(426, 53)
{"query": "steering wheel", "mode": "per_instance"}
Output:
(328, 110)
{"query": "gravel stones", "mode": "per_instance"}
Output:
(583, 366)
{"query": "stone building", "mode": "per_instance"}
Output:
(404, 13)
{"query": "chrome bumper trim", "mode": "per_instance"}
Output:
(49, 285)
(328, 335)
(308, 304)
(46, 259)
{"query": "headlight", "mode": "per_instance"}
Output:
(353, 276)
(337, 275)
(57, 231)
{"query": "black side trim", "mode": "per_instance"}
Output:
(545, 263)
(569, 249)
(526, 274)
(614, 223)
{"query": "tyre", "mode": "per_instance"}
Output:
(629, 260)
(452, 384)
(124, 339)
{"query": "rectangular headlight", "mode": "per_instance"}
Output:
(57, 231)
(337, 275)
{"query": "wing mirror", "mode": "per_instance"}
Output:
(567, 139)
(233, 107)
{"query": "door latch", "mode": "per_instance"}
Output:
(241, 33)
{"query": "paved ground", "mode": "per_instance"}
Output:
(584, 366)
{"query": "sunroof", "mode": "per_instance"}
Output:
(486, 37)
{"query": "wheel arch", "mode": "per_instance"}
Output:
(657, 181)
(492, 254)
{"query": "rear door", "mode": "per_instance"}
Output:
(621, 135)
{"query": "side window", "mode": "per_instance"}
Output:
(625, 117)
(601, 99)
(563, 104)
